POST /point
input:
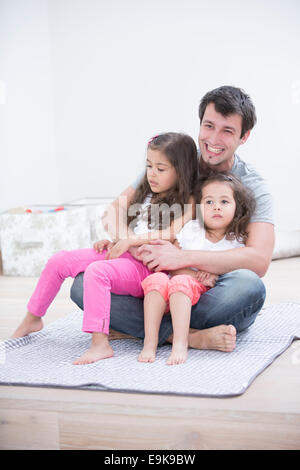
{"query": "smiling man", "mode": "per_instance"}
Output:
(219, 137)
(227, 116)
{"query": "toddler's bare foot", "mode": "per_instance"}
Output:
(95, 353)
(148, 353)
(30, 324)
(178, 354)
(220, 338)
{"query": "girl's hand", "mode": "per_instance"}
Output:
(133, 251)
(207, 279)
(103, 245)
(118, 249)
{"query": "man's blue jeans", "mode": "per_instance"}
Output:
(235, 300)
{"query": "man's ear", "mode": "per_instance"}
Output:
(245, 137)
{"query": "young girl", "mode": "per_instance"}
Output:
(171, 173)
(226, 208)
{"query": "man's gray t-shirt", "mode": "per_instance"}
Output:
(252, 180)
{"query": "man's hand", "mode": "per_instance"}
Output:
(101, 245)
(161, 255)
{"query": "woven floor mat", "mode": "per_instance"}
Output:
(45, 359)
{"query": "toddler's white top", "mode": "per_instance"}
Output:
(192, 237)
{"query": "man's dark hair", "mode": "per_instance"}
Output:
(230, 100)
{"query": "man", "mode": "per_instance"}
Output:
(227, 117)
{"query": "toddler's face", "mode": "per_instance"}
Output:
(161, 174)
(218, 205)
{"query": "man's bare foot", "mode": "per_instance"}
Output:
(94, 354)
(30, 324)
(220, 338)
(148, 353)
(178, 354)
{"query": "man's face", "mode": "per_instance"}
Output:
(219, 137)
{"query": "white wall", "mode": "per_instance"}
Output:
(89, 81)
(27, 140)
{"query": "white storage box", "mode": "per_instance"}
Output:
(28, 240)
(95, 207)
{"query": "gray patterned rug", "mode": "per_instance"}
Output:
(45, 359)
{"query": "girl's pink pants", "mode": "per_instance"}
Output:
(184, 283)
(122, 276)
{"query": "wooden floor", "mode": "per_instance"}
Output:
(266, 416)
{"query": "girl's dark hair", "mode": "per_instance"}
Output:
(231, 100)
(181, 151)
(245, 204)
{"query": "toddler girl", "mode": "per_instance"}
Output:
(226, 208)
(172, 166)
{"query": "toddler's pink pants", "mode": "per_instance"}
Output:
(184, 283)
(122, 276)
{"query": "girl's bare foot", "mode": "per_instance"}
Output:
(220, 338)
(94, 354)
(30, 324)
(100, 349)
(148, 353)
(178, 354)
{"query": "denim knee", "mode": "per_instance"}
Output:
(249, 283)
(251, 293)
(236, 299)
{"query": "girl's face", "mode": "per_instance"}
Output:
(161, 174)
(218, 205)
